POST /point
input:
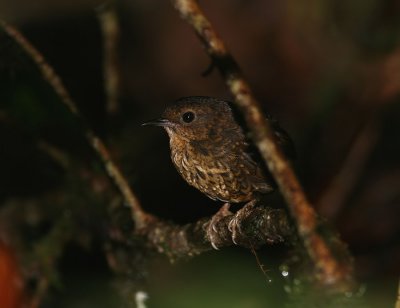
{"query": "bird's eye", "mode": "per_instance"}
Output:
(188, 117)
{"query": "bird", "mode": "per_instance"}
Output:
(211, 150)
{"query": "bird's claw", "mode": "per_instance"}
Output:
(235, 225)
(212, 231)
(235, 228)
(214, 245)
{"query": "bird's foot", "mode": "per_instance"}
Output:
(212, 232)
(234, 225)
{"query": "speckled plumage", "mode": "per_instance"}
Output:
(211, 151)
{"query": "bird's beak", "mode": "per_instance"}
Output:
(158, 122)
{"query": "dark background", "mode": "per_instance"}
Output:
(328, 70)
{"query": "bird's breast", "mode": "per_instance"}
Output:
(216, 175)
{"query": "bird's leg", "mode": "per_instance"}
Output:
(235, 224)
(212, 232)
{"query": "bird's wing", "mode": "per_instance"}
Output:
(283, 138)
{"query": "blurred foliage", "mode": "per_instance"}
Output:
(329, 70)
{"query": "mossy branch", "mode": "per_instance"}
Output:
(260, 226)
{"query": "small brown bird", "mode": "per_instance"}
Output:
(212, 152)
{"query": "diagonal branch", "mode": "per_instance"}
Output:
(138, 215)
(331, 271)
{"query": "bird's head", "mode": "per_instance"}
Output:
(196, 118)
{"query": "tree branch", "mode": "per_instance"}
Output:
(260, 226)
(138, 215)
(330, 271)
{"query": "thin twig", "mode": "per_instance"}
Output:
(109, 25)
(138, 215)
(335, 196)
(260, 265)
(331, 272)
